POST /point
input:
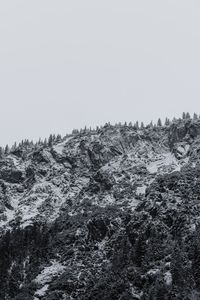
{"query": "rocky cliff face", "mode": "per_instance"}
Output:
(109, 214)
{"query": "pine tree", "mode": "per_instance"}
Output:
(181, 268)
(136, 125)
(151, 124)
(1, 152)
(159, 123)
(174, 119)
(187, 115)
(183, 115)
(74, 131)
(167, 122)
(140, 250)
(58, 138)
(196, 255)
(6, 151)
(13, 148)
(195, 116)
(50, 140)
(142, 125)
(26, 142)
(45, 142)
(159, 290)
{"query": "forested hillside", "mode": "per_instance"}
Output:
(111, 213)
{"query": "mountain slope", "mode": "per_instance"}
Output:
(106, 214)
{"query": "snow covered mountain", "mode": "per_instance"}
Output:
(106, 214)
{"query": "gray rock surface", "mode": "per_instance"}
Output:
(106, 214)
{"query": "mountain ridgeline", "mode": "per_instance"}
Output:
(105, 214)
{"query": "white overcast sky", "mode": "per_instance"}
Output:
(66, 64)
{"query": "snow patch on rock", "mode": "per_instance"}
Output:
(60, 147)
(42, 291)
(168, 278)
(166, 159)
(56, 268)
(141, 190)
